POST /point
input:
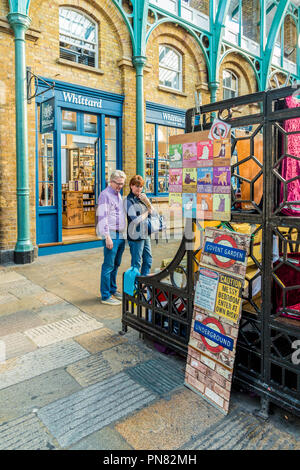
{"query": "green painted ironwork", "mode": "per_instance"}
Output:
(268, 50)
(20, 22)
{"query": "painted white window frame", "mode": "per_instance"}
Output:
(71, 39)
(171, 69)
(231, 88)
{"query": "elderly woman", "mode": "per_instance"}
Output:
(138, 209)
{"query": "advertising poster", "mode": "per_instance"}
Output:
(189, 205)
(189, 152)
(226, 250)
(216, 316)
(175, 155)
(222, 152)
(205, 177)
(204, 206)
(189, 180)
(206, 289)
(221, 206)
(175, 180)
(228, 302)
(221, 179)
(175, 203)
(204, 153)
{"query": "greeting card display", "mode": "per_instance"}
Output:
(221, 179)
(222, 152)
(204, 153)
(189, 180)
(205, 163)
(175, 155)
(175, 180)
(189, 152)
(204, 206)
(189, 205)
(205, 179)
(175, 203)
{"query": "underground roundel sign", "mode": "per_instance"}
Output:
(213, 335)
(224, 251)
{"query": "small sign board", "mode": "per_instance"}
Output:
(47, 116)
(217, 311)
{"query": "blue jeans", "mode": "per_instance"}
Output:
(111, 263)
(141, 257)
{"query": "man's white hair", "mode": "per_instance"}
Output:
(117, 174)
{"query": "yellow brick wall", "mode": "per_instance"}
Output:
(117, 75)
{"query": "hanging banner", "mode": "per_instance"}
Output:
(47, 116)
(217, 312)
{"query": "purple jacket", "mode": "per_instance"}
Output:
(110, 212)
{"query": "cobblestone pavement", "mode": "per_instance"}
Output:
(70, 381)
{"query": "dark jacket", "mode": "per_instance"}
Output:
(137, 229)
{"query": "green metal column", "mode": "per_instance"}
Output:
(139, 62)
(23, 249)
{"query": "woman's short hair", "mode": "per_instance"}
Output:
(117, 174)
(136, 180)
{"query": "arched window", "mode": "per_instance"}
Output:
(78, 37)
(230, 85)
(170, 68)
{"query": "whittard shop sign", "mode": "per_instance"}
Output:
(75, 98)
(47, 116)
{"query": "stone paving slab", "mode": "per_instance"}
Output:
(91, 370)
(65, 329)
(160, 376)
(39, 362)
(19, 322)
(47, 298)
(19, 305)
(242, 431)
(127, 355)
(6, 298)
(25, 433)
(102, 365)
(89, 410)
(100, 340)
(24, 397)
(105, 439)
(168, 424)
(57, 312)
(16, 345)
(22, 289)
(7, 276)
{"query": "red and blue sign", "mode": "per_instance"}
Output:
(213, 337)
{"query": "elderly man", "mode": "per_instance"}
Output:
(111, 225)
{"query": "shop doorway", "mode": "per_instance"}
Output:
(80, 180)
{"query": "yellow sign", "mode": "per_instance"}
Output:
(228, 301)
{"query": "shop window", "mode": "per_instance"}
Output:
(110, 146)
(157, 158)
(150, 158)
(170, 68)
(69, 121)
(78, 37)
(46, 169)
(230, 85)
(90, 123)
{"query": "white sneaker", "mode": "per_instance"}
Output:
(111, 301)
(118, 295)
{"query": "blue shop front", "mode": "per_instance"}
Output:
(79, 143)
(161, 123)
